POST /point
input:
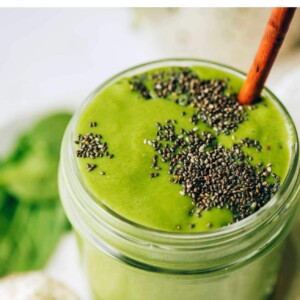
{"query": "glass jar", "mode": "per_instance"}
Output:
(127, 261)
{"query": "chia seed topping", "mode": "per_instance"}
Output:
(137, 84)
(212, 175)
(91, 146)
(212, 103)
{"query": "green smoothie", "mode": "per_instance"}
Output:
(127, 115)
(169, 184)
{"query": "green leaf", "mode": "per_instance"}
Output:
(32, 179)
(31, 216)
(47, 134)
(34, 234)
(44, 136)
(31, 175)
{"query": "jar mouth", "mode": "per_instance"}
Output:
(259, 218)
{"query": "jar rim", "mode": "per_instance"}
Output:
(259, 218)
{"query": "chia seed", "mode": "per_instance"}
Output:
(90, 167)
(93, 124)
(212, 102)
(137, 85)
(91, 146)
(212, 175)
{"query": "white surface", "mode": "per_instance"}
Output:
(53, 58)
(34, 286)
(58, 56)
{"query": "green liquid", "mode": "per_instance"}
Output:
(125, 119)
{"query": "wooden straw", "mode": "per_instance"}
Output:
(269, 46)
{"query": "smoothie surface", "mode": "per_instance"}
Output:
(125, 119)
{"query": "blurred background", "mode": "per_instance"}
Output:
(51, 59)
(58, 56)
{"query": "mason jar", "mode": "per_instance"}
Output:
(123, 260)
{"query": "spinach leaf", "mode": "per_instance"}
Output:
(31, 216)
